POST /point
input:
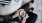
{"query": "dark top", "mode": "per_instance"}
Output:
(25, 6)
(32, 18)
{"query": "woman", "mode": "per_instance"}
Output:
(32, 16)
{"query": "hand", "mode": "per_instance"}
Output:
(16, 13)
(23, 21)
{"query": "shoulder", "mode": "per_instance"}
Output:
(25, 5)
(35, 14)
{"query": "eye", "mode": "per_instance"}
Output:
(16, 0)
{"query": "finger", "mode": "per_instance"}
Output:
(19, 11)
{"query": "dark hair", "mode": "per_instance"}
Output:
(32, 1)
(31, 8)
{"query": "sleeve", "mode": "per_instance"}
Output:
(25, 6)
(26, 16)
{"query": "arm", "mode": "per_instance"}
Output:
(16, 14)
(23, 21)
